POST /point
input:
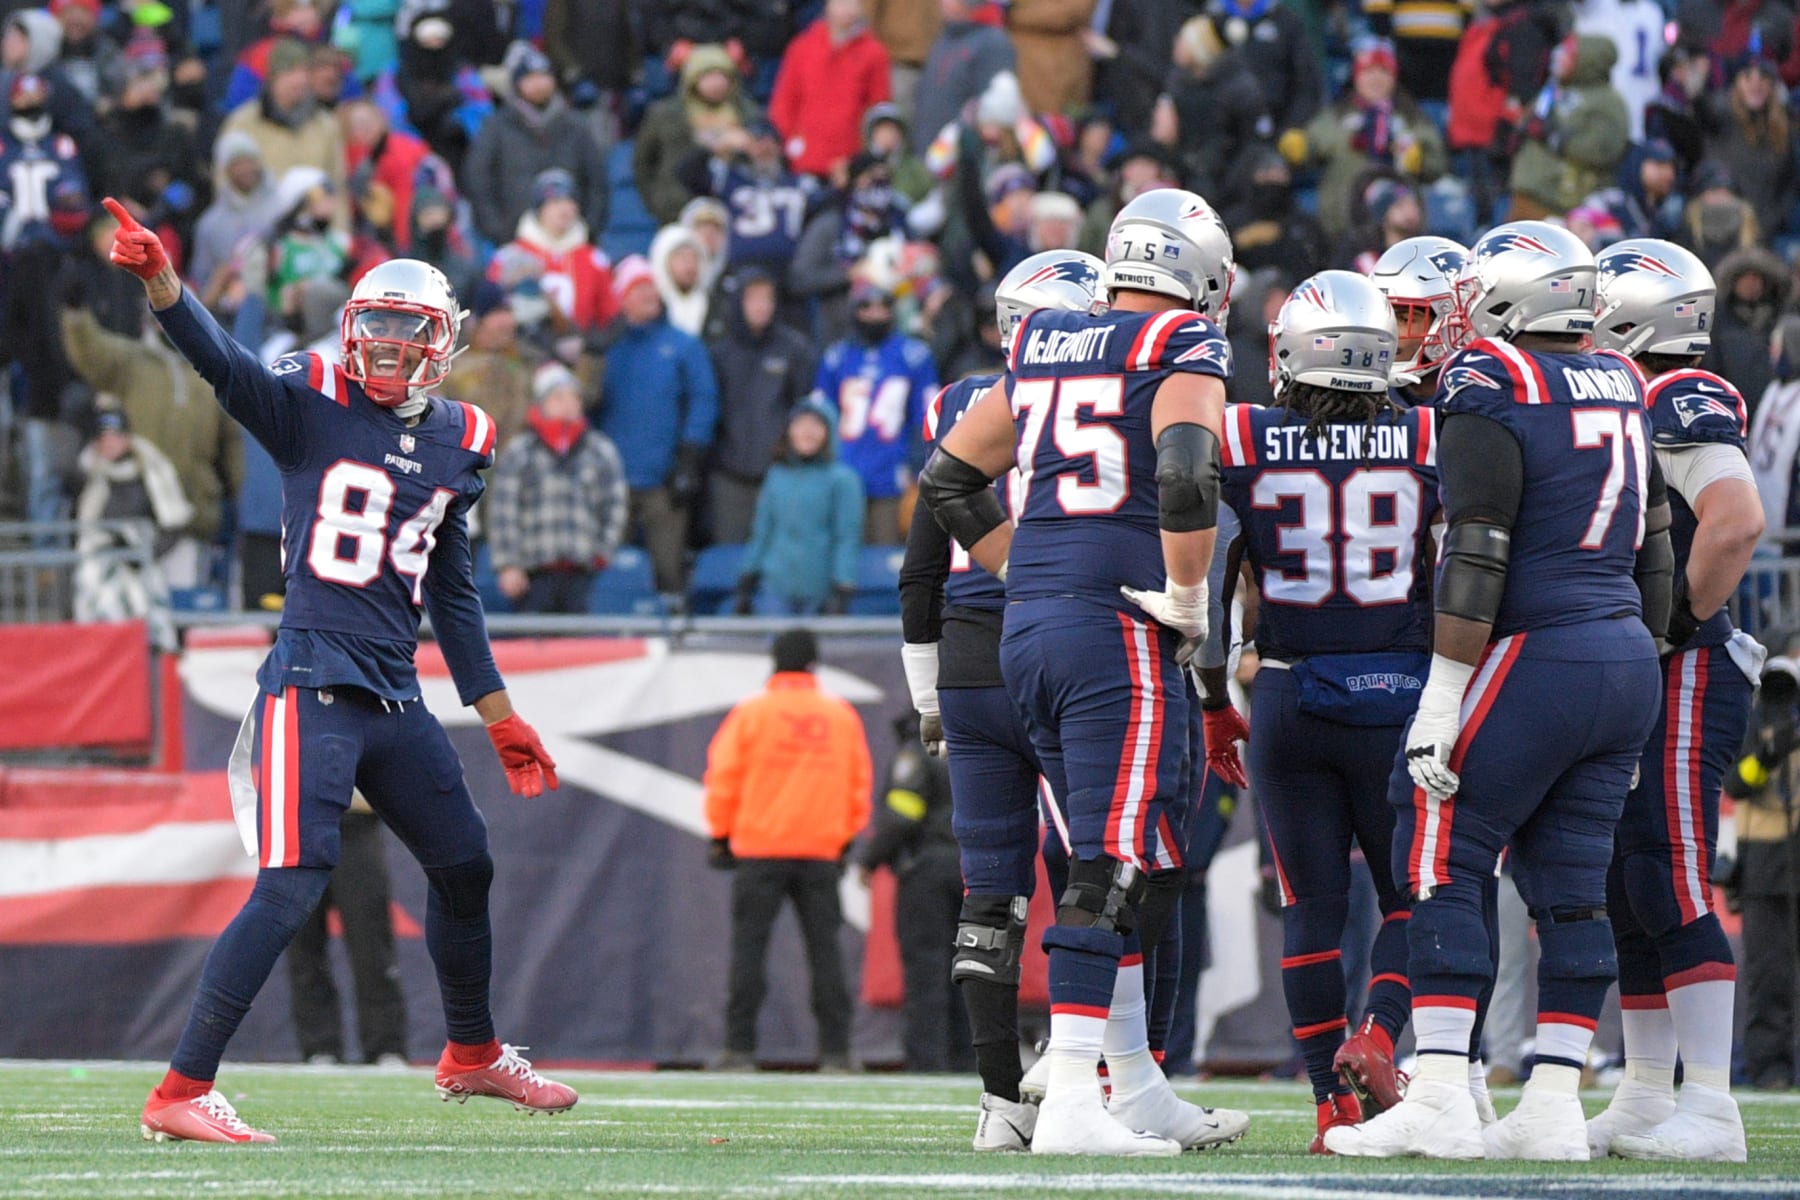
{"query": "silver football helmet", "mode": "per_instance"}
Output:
(1171, 242)
(1060, 279)
(1335, 331)
(1418, 276)
(1655, 298)
(1528, 277)
(403, 311)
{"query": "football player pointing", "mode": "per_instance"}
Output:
(1114, 423)
(1676, 975)
(377, 480)
(1554, 586)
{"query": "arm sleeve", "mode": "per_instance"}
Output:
(847, 526)
(724, 775)
(501, 512)
(922, 575)
(455, 608)
(250, 392)
(1690, 470)
(702, 397)
(1482, 468)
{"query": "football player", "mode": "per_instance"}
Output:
(1336, 489)
(1418, 276)
(1541, 692)
(950, 616)
(377, 479)
(1113, 421)
(1676, 975)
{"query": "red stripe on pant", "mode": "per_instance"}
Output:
(1306, 1031)
(265, 781)
(1308, 960)
(292, 757)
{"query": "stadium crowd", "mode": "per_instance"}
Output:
(719, 257)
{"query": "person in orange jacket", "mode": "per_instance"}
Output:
(787, 790)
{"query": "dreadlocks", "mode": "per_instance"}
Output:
(1322, 406)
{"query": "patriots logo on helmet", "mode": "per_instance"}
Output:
(1448, 262)
(1691, 408)
(1459, 377)
(1073, 270)
(1196, 210)
(1511, 240)
(1645, 262)
(1308, 293)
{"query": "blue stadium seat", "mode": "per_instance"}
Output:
(716, 571)
(877, 582)
(197, 599)
(629, 225)
(627, 587)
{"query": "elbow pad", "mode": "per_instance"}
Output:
(1187, 478)
(1473, 579)
(959, 498)
(1654, 573)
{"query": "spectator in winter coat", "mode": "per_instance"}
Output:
(1388, 212)
(556, 502)
(1049, 40)
(243, 205)
(808, 528)
(963, 59)
(1648, 201)
(676, 261)
(1753, 290)
(764, 368)
(1717, 220)
(1268, 228)
(1425, 34)
(1373, 126)
(709, 102)
(89, 59)
(29, 45)
(1636, 28)
(765, 202)
(575, 274)
(887, 138)
(493, 374)
(168, 405)
(1525, 34)
(659, 405)
(832, 73)
(880, 381)
(128, 478)
(152, 160)
(907, 28)
(393, 160)
(593, 44)
(1675, 114)
(1279, 52)
(297, 20)
(1750, 134)
(1143, 167)
(531, 132)
(837, 237)
(1575, 135)
(437, 40)
(288, 124)
(1211, 111)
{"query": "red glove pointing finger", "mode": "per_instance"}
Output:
(527, 764)
(1225, 728)
(134, 247)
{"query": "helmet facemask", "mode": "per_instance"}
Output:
(395, 348)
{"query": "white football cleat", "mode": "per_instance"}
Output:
(1004, 1125)
(1706, 1127)
(1158, 1109)
(1637, 1107)
(1075, 1121)
(1037, 1077)
(1547, 1126)
(1437, 1119)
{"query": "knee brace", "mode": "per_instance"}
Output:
(463, 888)
(990, 936)
(1103, 894)
(1162, 893)
(289, 894)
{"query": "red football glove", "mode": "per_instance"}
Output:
(134, 247)
(1225, 728)
(528, 765)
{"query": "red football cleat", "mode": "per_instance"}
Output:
(208, 1118)
(1366, 1063)
(1342, 1110)
(508, 1078)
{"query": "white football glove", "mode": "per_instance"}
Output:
(1176, 607)
(921, 662)
(1435, 727)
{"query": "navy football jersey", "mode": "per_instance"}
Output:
(374, 516)
(1336, 528)
(1581, 424)
(968, 586)
(1082, 389)
(1694, 408)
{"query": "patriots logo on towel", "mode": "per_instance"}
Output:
(1691, 408)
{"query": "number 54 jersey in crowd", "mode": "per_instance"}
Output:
(374, 517)
(1336, 526)
(1584, 436)
(1082, 390)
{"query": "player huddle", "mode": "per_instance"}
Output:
(1487, 529)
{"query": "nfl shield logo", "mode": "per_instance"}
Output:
(407, 443)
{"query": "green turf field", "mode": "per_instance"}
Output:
(71, 1131)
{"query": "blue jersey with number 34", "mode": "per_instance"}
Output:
(1082, 389)
(374, 517)
(1583, 431)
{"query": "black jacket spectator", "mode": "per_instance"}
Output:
(1753, 289)
(963, 60)
(1220, 111)
(1279, 51)
(1144, 32)
(436, 38)
(1749, 133)
(762, 372)
(1269, 230)
(523, 139)
(152, 157)
(592, 41)
(1425, 34)
(1518, 56)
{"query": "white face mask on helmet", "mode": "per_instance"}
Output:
(399, 331)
